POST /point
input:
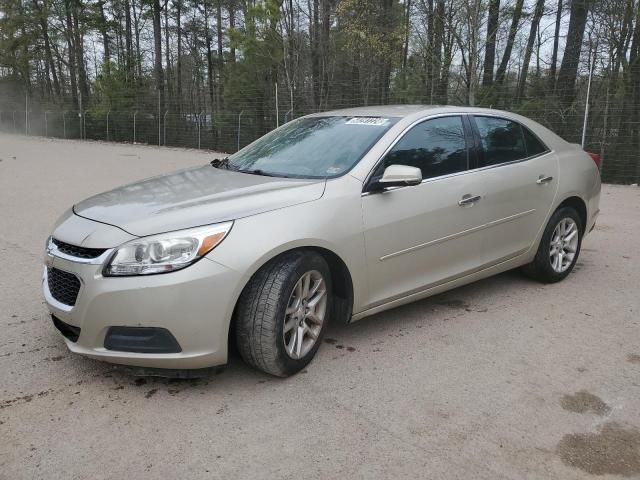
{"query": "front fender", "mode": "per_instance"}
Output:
(331, 223)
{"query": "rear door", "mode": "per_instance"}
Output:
(521, 180)
(419, 236)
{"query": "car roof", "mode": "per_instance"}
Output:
(410, 113)
(378, 111)
(402, 111)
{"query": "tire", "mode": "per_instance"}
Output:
(267, 302)
(545, 267)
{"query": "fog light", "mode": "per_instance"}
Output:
(141, 340)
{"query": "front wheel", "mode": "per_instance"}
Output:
(559, 247)
(283, 312)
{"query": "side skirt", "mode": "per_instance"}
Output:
(515, 262)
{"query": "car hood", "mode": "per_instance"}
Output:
(194, 197)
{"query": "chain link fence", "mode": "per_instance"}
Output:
(608, 130)
(226, 132)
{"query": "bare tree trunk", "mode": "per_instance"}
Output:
(324, 49)
(208, 42)
(625, 36)
(314, 27)
(633, 87)
(432, 54)
(50, 65)
(438, 68)
(385, 70)
(178, 5)
(556, 41)
(513, 30)
(157, 46)
(79, 49)
(537, 14)
(136, 27)
(24, 65)
(72, 53)
(105, 37)
(129, 42)
(447, 58)
(490, 50)
(220, 61)
(167, 58)
(405, 47)
(569, 67)
(232, 25)
(538, 47)
(474, 32)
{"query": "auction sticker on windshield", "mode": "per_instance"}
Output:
(375, 121)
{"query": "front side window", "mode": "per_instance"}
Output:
(313, 147)
(437, 147)
(502, 140)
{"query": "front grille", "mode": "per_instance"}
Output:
(64, 286)
(76, 251)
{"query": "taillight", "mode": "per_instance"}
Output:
(596, 159)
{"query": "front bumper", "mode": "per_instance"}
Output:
(194, 304)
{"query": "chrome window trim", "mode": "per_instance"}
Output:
(52, 249)
(449, 175)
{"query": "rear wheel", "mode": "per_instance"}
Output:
(559, 247)
(283, 312)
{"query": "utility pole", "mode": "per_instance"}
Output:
(586, 106)
(159, 118)
(277, 112)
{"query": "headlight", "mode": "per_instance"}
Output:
(165, 252)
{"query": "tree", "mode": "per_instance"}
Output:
(490, 49)
(158, 73)
(569, 67)
(537, 15)
(556, 44)
(225, 58)
(513, 30)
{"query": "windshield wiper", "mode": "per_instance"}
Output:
(257, 171)
(222, 163)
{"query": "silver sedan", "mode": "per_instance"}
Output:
(330, 218)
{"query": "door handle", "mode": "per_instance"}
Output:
(468, 200)
(542, 180)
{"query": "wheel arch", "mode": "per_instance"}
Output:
(579, 205)
(341, 280)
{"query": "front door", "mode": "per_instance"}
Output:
(419, 236)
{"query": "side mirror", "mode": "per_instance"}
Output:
(398, 176)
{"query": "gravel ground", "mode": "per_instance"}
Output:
(505, 378)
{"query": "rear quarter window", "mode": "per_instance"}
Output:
(532, 143)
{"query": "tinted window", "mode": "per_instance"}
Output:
(534, 146)
(437, 147)
(502, 140)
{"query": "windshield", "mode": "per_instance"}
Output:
(315, 147)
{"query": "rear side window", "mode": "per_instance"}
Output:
(501, 139)
(533, 144)
(437, 147)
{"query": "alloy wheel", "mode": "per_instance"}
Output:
(563, 245)
(305, 314)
